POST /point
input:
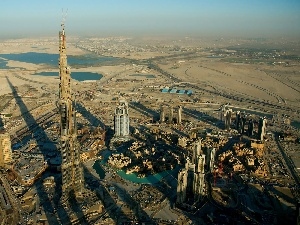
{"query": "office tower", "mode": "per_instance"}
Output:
(196, 181)
(196, 151)
(250, 127)
(181, 186)
(243, 122)
(198, 186)
(179, 112)
(238, 121)
(191, 183)
(210, 158)
(223, 113)
(261, 128)
(171, 115)
(72, 176)
(5, 150)
(228, 114)
(200, 162)
(162, 113)
(121, 120)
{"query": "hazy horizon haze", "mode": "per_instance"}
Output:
(230, 18)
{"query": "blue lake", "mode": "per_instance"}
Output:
(3, 64)
(80, 76)
(52, 59)
(150, 179)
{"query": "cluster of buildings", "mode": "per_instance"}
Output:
(119, 160)
(191, 187)
(240, 122)
(170, 114)
(242, 158)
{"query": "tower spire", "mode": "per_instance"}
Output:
(72, 176)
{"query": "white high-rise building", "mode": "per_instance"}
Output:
(121, 120)
(181, 187)
(196, 150)
(179, 114)
(210, 158)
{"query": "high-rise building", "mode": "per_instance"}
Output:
(72, 175)
(243, 122)
(171, 115)
(227, 116)
(198, 186)
(210, 158)
(179, 113)
(5, 150)
(261, 128)
(238, 121)
(222, 113)
(181, 186)
(196, 150)
(121, 121)
(191, 183)
(250, 127)
(162, 113)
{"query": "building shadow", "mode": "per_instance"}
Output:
(137, 109)
(144, 110)
(46, 203)
(111, 208)
(271, 208)
(203, 117)
(94, 121)
(140, 215)
(30, 121)
(1, 124)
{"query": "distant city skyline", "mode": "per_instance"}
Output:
(233, 18)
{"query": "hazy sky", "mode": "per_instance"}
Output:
(237, 18)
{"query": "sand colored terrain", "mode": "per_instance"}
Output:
(239, 78)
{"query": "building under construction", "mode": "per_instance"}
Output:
(72, 176)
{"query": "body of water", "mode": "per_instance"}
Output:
(150, 179)
(80, 76)
(3, 63)
(52, 59)
(296, 124)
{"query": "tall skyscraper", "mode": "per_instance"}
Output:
(72, 175)
(261, 128)
(196, 151)
(191, 182)
(250, 127)
(171, 115)
(181, 186)
(227, 115)
(5, 150)
(179, 113)
(121, 121)
(238, 121)
(210, 158)
(162, 113)
(243, 122)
